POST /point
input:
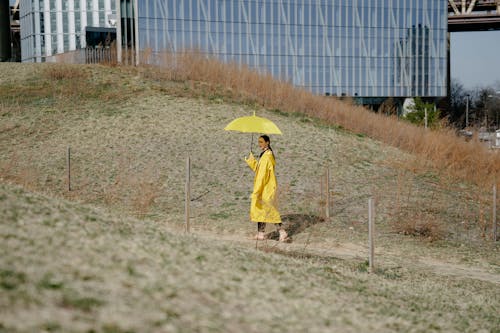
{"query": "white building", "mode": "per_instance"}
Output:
(51, 27)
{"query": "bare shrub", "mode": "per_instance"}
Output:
(418, 224)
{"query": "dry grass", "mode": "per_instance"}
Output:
(129, 157)
(25, 174)
(67, 267)
(419, 224)
(65, 72)
(53, 86)
(441, 148)
(138, 191)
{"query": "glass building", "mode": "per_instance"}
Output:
(363, 48)
(366, 48)
(50, 27)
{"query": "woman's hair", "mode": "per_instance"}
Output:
(266, 139)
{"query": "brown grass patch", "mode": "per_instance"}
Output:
(25, 174)
(65, 72)
(419, 224)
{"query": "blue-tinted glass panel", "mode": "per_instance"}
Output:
(377, 49)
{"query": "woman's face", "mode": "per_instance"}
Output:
(263, 144)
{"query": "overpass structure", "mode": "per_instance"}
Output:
(473, 15)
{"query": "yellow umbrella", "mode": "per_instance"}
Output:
(253, 124)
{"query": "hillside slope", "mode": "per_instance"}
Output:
(130, 137)
(72, 267)
(112, 247)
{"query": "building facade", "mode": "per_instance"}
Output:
(359, 48)
(51, 27)
(366, 48)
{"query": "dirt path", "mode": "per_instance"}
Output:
(352, 251)
(461, 271)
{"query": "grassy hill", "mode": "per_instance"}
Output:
(110, 255)
(72, 267)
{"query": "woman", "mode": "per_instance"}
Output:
(263, 207)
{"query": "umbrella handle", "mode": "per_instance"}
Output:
(251, 144)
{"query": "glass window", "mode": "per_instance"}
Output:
(194, 12)
(236, 11)
(363, 36)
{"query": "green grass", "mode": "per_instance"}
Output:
(10, 280)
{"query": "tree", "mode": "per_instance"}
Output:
(484, 105)
(458, 103)
(489, 103)
(417, 114)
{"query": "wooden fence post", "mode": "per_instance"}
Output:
(68, 162)
(188, 191)
(327, 215)
(371, 231)
(494, 215)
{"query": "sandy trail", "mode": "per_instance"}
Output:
(355, 252)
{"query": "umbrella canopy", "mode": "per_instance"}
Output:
(253, 124)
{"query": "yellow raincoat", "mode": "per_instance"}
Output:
(263, 206)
